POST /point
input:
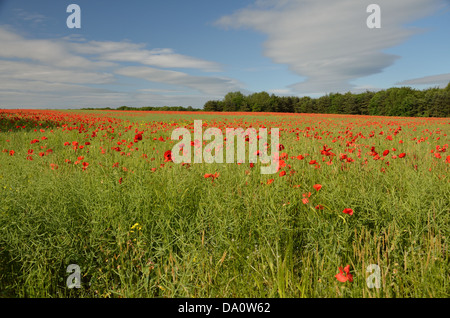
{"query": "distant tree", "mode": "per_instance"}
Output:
(350, 105)
(286, 104)
(301, 105)
(245, 106)
(310, 105)
(211, 106)
(336, 103)
(259, 101)
(233, 101)
(363, 101)
(440, 104)
(447, 88)
(377, 103)
(395, 101)
(323, 104)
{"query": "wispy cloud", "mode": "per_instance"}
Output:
(328, 41)
(25, 15)
(50, 52)
(205, 84)
(137, 53)
(441, 80)
(73, 72)
(12, 70)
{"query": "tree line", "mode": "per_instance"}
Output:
(401, 101)
(148, 108)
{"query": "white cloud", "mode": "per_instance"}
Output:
(132, 52)
(73, 72)
(32, 17)
(162, 90)
(328, 41)
(208, 85)
(280, 91)
(50, 52)
(441, 80)
(164, 59)
(11, 70)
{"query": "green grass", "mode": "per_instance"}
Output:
(234, 237)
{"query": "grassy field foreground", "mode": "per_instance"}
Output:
(83, 188)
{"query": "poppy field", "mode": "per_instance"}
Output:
(358, 207)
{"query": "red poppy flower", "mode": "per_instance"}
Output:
(282, 173)
(348, 211)
(281, 163)
(386, 152)
(168, 156)
(319, 207)
(137, 137)
(343, 278)
(317, 187)
(210, 175)
(305, 197)
(402, 155)
(270, 181)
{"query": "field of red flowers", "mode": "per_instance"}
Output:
(99, 189)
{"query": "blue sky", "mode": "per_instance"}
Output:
(173, 52)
